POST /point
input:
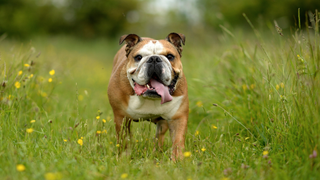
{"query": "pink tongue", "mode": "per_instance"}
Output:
(139, 89)
(162, 90)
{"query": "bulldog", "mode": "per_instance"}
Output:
(147, 83)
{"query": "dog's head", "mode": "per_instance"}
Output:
(154, 66)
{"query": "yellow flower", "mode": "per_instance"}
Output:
(277, 87)
(298, 55)
(124, 175)
(98, 117)
(282, 85)
(197, 133)
(244, 87)
(26, 65)
(52, 176)
(80, 97)
(21, 167)
(30, 130)
(104, 131)
(104, 121)
(118, 145)
(81, 137)
(80, 142)
(19, 73)
(137, 140)
(224, 178)
(203, 149)
(43, 94)
(52, 72)
(31, 75)
(102, 168)
(50, 80)
(265, 153)
(65, 140)
(187, 154)
(17, 84)
(214, 127)
(98, 132)
(199, 104)
(252, 86)
(32, 121)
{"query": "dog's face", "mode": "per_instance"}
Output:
(154, 66)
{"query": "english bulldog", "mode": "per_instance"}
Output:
(148, 83)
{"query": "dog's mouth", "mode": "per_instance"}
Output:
(156, 89)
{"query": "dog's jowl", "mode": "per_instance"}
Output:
(147, 83)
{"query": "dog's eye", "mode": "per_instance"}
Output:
(170, 57)
(137, 57)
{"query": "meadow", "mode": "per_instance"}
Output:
(254, 110)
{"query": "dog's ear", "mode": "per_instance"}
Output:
(177, 40)
(131, 40)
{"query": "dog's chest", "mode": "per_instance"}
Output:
(140, 107)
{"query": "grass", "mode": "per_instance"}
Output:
(254, 111)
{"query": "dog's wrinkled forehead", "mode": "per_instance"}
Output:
(135, 42)
(153, 47)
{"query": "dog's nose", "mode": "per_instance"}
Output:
(154, 59)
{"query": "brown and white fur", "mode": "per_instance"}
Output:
(131, 72)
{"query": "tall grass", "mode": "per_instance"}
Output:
(254, 110)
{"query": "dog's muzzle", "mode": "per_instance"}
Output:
(159, 84)
(154, 67)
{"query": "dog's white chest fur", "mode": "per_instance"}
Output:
(140, 107)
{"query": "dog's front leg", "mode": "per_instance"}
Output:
(122, 130)
(162, 127)
(178, 129)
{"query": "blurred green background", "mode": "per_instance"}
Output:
(266, 86)
(22, 19)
